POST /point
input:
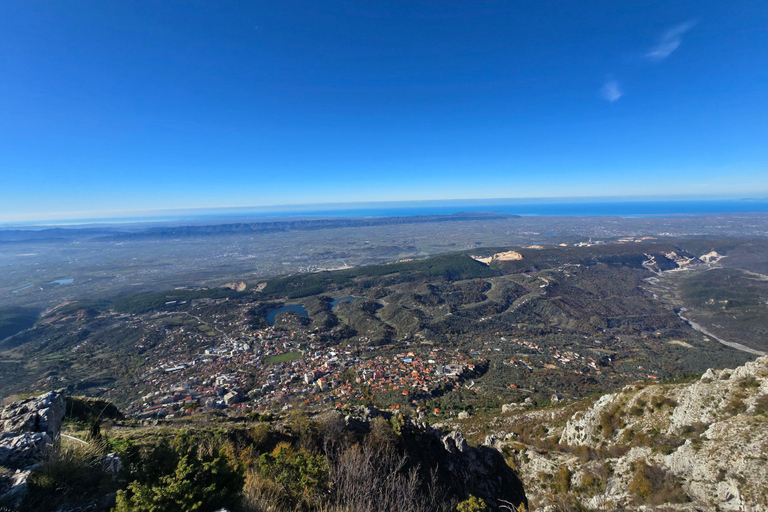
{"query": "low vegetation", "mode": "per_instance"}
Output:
(297, 464)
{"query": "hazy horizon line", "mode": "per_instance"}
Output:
(167, 214)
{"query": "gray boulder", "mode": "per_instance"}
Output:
(28, 429)
(42, 413)
(22, 450)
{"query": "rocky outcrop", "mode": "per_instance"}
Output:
(701, 445)
(237, 286)
(481, 471)
(500, 256)
(711, 257)
(28, 430)
(462, 469)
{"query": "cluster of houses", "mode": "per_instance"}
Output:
(270, 369)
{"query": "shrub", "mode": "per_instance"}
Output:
(260, 434)
(195, 485)
(472, 504)
(761, 405)
(734, 406)
(658, 402)
(593, 480)
(568, 503)
(382, 434)
(302, 476)
(749, 383)
(611, 421)
(653, 485)
(72, 475)
(563, 480)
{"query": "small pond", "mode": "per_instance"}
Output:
(296, 308)
(299, 308)
(339, 300)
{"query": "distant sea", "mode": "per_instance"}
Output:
(585, 209)
(542, 207)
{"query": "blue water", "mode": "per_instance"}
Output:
(299, 308)
(63, 281)
(533, 207)
(296, 308)
(580, 209)
(339, 300)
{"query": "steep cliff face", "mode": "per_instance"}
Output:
(479, 471)
(694, 446)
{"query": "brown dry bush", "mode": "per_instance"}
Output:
(652, 484)
(611, 420)
(366, 479)
(761, 405)
(658, 402)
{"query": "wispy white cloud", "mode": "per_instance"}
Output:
(669, 42)
(611, 91)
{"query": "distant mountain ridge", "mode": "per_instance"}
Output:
(59, 233)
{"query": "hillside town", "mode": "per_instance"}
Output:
(271, 369)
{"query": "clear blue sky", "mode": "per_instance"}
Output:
(132, 105)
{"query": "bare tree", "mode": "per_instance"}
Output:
(367, 479)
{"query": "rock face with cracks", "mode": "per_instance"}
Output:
(28, 430)
(701, 445)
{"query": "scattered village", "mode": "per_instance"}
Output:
(268, 369)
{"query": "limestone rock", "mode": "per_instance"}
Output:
(455, 443)
(28, 429)
(13, 488)
(22, 450)
(37, 414)
(710, 437)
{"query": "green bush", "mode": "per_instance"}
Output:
(472, 504)
(302, 476)
(195, 485)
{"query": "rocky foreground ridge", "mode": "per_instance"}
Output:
(31, 432)
(461, 469)
(695, 446)
(701, 445)
(28, 431)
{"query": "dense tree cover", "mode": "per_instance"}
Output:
(450, 267)
(153, 301)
